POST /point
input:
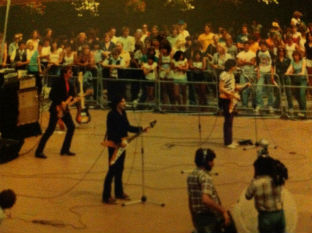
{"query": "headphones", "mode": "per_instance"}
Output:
(203, 156)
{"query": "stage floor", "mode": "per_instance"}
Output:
(65, 192)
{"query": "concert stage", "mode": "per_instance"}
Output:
(63, 194)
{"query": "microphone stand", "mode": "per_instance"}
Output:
(143, 199)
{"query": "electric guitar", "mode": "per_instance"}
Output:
(118, 149)
(62, 108)
(83, 116)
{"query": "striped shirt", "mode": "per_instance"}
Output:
(200, 182)
(267, 196)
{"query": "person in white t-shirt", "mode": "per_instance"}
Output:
(179, 67)
(7, 200)
(246, 60)
(265, 75)
(227, 89)
(150, 72)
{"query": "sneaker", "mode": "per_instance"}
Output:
(231, 146)
(235, 143)
(271, 109)
(300, 114)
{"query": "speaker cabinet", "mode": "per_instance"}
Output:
(28, 106)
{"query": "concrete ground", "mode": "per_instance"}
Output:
(63, 194)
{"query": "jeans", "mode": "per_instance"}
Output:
(300, 91)
(284, 82)
(206, 223)
(244, 78)
(265, 78)
(271, 222)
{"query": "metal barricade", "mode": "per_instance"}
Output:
(202, 96)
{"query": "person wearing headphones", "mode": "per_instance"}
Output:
(204, 203)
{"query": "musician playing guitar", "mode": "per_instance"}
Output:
(228, 95)
(118, 127)
(62, 95)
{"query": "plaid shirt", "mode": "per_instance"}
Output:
(200, 182)
(267, 196)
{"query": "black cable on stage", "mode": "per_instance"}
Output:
(41, 105)
(72, 187)
(282, 148)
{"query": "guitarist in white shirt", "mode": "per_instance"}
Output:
(62, 95)
(227, 90)
(117, 126)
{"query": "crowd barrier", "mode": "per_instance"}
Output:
(274, 100)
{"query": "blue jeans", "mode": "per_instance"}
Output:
(265, 78)
(300, 91)
(244, 78)
(284, 82)
(271, 222)
(206, 223)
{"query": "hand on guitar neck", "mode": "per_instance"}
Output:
(120, 148)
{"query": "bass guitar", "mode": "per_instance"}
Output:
(118, 149)
(83, 116)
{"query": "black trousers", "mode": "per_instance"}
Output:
(51, 127)
(114, 171)
(228, 122)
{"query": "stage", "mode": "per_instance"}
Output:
(63, 194)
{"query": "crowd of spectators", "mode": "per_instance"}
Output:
(272, 59)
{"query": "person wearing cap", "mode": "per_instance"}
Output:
(117, 128)
(182, 34)
(296, 19)
(205, 206)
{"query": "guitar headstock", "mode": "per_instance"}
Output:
(153, 123)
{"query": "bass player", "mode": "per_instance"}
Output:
(117, 126)
(62, 95)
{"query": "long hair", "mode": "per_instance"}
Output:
(266, 165)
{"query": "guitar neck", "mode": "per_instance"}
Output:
(82, 100)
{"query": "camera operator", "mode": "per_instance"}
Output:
(266, 188)
(204, 203)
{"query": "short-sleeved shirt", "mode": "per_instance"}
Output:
(265, 61)
(267, 196)
(179, 75)
(150, 75)
(229, 82)
(247, 56)
(200, 182)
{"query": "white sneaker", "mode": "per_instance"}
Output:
(232, 146)
(235, 143)
(300, 114)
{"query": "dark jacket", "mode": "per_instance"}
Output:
(58, 93)
(118, 126)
